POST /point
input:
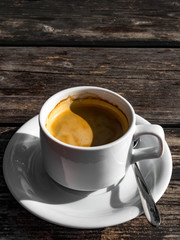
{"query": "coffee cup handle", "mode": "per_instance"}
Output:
(148, 152)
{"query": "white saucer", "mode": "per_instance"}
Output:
(35, 191)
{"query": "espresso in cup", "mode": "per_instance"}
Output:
(86, 122)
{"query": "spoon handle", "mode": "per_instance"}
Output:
(148, 203)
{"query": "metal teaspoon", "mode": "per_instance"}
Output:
(149, 206)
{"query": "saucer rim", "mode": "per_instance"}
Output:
(71, 224)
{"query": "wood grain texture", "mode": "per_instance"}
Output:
(83, 23)
(148, 78)
(17, 223)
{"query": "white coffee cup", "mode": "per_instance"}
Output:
(94, 168)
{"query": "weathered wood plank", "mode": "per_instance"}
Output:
(101, 22)
(17, 223)
(148, 78)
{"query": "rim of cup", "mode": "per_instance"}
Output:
(86, 88)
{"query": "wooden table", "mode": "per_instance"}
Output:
(131, 47)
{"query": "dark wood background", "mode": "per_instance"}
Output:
(86, 22)
(131, 47)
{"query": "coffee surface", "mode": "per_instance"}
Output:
(86, 122)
